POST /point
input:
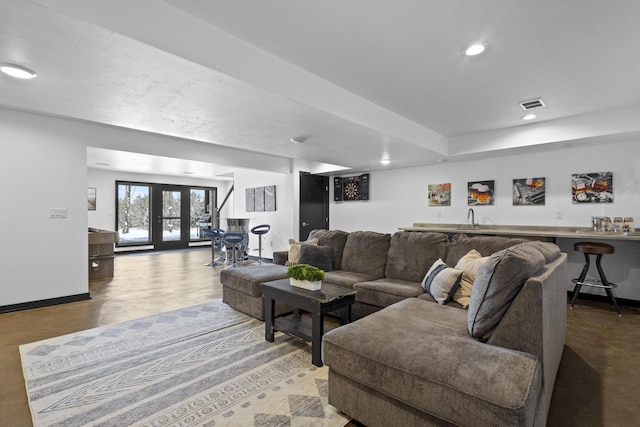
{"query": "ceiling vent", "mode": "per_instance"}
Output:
(532, 104)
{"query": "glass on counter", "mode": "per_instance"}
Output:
(617, 224)
(627, 225)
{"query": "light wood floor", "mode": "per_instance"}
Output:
(598, 383)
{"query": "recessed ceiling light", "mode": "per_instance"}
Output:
(17, 71)
(385, 161)
(529, 117)
(475, 49)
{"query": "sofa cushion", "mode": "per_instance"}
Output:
(334, 238)
(470, 264)
(384, 292)
(412, 253)
(366, 252)
(442, 281)
(461, 244)
(318, 256)
(421, 354)
(347, 278)
(294, 250)
(550, 251)
(498, 283)
(248, 279)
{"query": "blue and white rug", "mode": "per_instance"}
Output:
(206, 365)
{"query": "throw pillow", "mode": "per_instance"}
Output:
(470, 264)
(441, 281)
(294, 250)
(316, 255)
(497, 285)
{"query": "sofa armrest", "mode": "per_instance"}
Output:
(280, 257)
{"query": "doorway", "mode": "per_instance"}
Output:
(163, 215)
(314, 203)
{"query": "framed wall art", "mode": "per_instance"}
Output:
(439, 194)
(593, 187)
(529, 191)
(480, 193)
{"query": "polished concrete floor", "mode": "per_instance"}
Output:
(598, 383)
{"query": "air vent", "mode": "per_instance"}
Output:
(532, 104)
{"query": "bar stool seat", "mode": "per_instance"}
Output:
(260, 230)
(598, 249)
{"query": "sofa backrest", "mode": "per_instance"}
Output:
(335, 239)
(411, 254)
(461, 244)
(366, 252)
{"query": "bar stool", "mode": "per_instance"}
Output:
(233, 239)
(260, 230)
(215, 234)
(598, 249)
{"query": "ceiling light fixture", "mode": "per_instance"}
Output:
(298, 139)
(529, 117)
(474, 50)
(385, 161)
(17, 71)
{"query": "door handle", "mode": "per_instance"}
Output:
(304, 224)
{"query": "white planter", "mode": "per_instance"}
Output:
(306, 284)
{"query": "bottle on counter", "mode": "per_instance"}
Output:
(618, 224)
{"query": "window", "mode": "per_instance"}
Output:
(133, 213)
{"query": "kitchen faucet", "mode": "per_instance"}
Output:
(471, 213)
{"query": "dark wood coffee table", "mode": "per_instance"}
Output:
(318, 303)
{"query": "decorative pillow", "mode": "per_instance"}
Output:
(470, 264)
(497, 284)
(441, 281)
(316, 255)
(294, 250)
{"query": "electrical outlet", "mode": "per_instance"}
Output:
(559, 214)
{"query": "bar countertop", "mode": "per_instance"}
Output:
(524, 231)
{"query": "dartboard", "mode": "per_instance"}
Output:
(351, 190)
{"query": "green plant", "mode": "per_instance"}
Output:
(305, 272)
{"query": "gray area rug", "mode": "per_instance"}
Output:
(206, 365)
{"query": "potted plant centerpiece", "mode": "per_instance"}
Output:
(305, 276)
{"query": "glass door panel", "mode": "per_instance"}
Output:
(133, 213)
(171, 216)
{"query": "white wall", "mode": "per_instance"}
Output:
(103, 181)
(281, 221)
(399, 198)
(41, 167)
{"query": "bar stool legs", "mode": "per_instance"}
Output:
(597, 249)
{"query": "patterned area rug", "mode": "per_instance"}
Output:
(206, 365)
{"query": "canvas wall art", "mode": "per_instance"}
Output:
(529, 191)
(593, 187)
(481, 193)
(439, 194)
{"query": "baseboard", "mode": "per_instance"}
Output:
(603, 298)
(44, 303)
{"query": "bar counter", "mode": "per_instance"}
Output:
(527, 231)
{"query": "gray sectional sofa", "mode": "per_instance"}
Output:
(411, 361)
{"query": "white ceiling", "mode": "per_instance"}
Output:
(362, 80)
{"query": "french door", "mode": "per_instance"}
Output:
(162, 215)
(170, 216)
